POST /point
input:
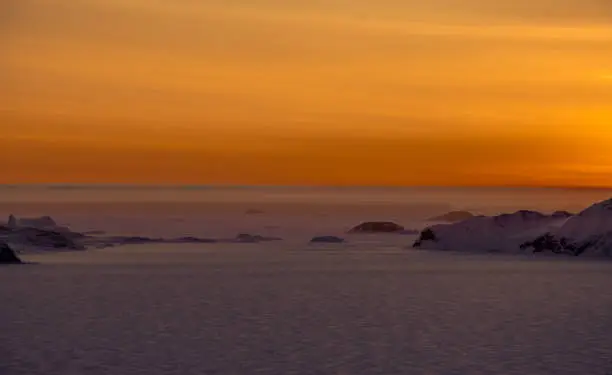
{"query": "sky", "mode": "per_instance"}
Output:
(307, 92)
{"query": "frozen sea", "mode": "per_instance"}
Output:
(370, 306)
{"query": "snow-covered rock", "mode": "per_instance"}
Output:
(589, 232)
(43, 233)
(43, 222)
(41, 238)
(506, 232)
(595, 220)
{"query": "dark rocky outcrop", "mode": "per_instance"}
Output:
(192, 240)
(7, 255)
(549, 242)
(102, 242)
(327, 239)
(426, 235)
(250, 238)
(377, 227)
(453, 216)
(12, 221)
(135, 240)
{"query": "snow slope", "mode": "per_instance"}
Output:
(589, 232)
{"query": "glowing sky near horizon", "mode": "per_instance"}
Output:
(387, 92)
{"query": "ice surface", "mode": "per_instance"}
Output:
(235, 309)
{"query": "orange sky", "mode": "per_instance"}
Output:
(386, 92)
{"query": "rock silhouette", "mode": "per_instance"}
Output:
(7, 255)
(12, 221)
(250, 238)
(327, 239)
(377, 227)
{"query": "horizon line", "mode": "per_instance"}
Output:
(110, 185)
